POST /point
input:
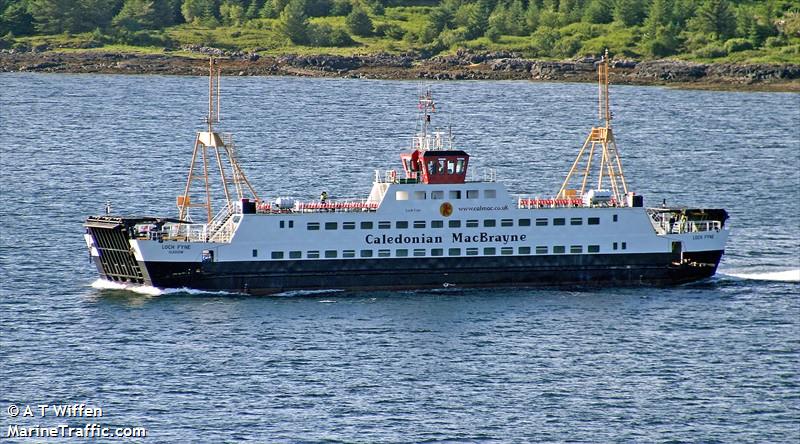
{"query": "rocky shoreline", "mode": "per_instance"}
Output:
(460, 66)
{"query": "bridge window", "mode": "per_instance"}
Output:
(401, 224)
(348, 225)
(576, 221)
(330, 254)
(419, 224)
(472, 223)
(437, 251)
(472, 251)
(489, 223)
(454, 224)
(440, 166)
(541, 222)
(330, 225)
(489, 251)
(451, 166)
(454, 252)
(401, 252)
(559, 249)
(541, 249)
(507, 222)
(277, 254)
(437, 224)
(349, 253)
(438, 195)
(506, 251)
(455, 194)
(459, 166)
(312, 254)
(401, 195)
(524, 250)
(594, 248)
(366, 225)
(559, 221)
(313, 226)
(366, 253)
(575, 249)
(295, 254)
(472, 194)
(431, 168)
(384, 253)
(419, 252)
(490, 194)
(384, 225)
(593, 221)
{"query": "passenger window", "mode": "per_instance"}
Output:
(472, 223)
(401, 195)
(330, 254)
(330, 225)
(401, 224)
(419, 252)
(507, 222)
(593, 221)
(489, 223)
(277, 254)
(437, 224)
(541, 249)
(490, 194)
(558, 249)
(384, 225)
(440, 169)
(541, 222)
(366, 225)
(295, 255)
(576, 221)
(401, 252)
(594, 248)
(472, 251)
(431, 168)
(349, 253)
(575, 249)
(472, 194)
(455, 194)
(524, 250)
(419, 224)
(459, 166)
(615, 218)
(419, 195)
(454, 224)
(437, 252)
(255, 253)
(524, 222)
(384, 253)
(366, 253)
(489, 251)
(451, 167)
(454, 252)
(312, 254)
(438, 195)
(559, 221)
(313, 226)
(348, 225)
(506, 251)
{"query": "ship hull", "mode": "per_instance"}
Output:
(260, 277)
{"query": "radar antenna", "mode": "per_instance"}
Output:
(610, 165)
(210, 145)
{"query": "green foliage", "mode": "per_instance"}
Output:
(359, 23)
(598, 11)
(736, 45)
(71, 16)
(15, 19)
(136, 15)
(629, 12)
(325, 35)
(711, 51)
(714, 17)
(293, 22)
(232, 13)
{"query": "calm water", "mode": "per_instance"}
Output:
(712, 361)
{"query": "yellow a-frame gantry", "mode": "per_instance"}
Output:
(222, 149)
(599, 139)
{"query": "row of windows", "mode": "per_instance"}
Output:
(469, 223)
(439, 195)
(422, 252)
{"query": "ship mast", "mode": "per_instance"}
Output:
(425, 139)
(599, 139)
(213, 151)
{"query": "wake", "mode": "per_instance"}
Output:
(776, 276)
(102, 284)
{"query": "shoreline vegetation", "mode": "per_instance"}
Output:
(710, 44)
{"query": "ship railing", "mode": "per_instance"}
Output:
(387, 176)
(696, 226)
(484, 175)
(536, 202)
(345, 206)
(186, 232)
(220, 228)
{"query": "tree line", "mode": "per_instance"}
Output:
(555, 28)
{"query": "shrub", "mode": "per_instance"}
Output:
(736, 45)
(390, 30)
(493, 34)
(711, 51)
(326, 35)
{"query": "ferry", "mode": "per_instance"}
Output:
(432, 223)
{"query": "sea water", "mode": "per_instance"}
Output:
(713, 361)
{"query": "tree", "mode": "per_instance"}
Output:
(629, 12)
(232, 13)
(195, 10)
(293, 22)
(57, 16)
(358, 22)
(598, 11)
(516, 23)
(16, 19)
(659, 14)
(136, 15)
(716, 18)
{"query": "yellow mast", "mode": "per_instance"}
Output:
(223, 152)
(600, 139)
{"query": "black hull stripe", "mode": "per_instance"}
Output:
(262, 277)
